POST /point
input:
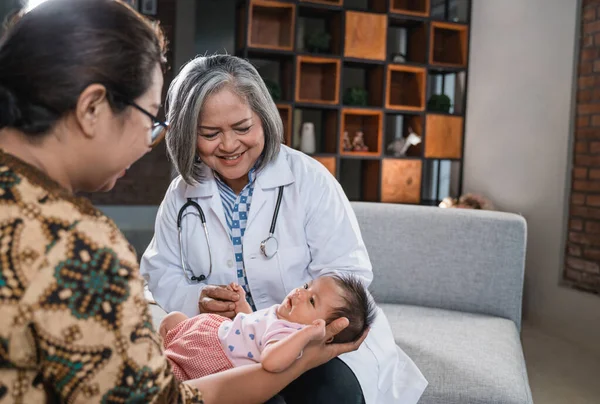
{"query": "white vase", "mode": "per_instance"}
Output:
(307, 138)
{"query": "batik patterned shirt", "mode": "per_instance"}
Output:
(74, 324)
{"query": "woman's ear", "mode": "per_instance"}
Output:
(90, 104)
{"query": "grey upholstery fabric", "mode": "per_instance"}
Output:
(467, 358)
(457, 259)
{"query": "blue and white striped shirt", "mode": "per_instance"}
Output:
(236, 208)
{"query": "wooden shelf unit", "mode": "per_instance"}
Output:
(370, 122)
(406, 88)
(419, 8)
(317, 80)
(271, 25)
(396, 50)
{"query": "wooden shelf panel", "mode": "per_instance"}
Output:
(444, 137)
(329, 162)
(285, 111)
(369, 122)
(366, 35)
(326, 2)
(410, 7)
(317, 80)
(271, 25)
(401, 181)
(448, 44)
(406, 88)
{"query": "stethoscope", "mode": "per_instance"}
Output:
(268, 247)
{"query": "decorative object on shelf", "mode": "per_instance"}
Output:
(468, 201)
(358, 143)
(347, 145)
(307, 138)
(355, 96)
(398, 57)
(149, 7)
(439, 103)
(317, 42)
(400, 146)
(274, 89)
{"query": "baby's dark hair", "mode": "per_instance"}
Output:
(359, 308)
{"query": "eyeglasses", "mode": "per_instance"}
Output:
(159, 128)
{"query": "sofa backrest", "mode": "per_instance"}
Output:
(456, 259)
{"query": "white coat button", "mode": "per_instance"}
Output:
(230, 263)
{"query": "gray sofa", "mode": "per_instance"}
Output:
(450, 282)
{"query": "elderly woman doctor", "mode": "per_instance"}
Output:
(247, 209)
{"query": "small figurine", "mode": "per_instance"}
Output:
(399, 147)
(347, 146)
(358, 143)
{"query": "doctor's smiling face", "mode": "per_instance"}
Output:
(230, 137)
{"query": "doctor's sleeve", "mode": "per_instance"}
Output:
(161, 265)
(332, 232)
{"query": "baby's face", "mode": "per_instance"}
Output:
(315, 300)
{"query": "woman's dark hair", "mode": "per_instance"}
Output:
(49, 55)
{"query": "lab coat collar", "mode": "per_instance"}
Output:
(275, 174)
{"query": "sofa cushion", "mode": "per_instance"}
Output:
(466, 358)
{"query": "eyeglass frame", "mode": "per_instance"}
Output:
(155, 123)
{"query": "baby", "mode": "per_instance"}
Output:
(275, 336)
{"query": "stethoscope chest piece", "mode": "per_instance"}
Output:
(269, 247)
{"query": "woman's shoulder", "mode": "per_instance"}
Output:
(305, 168)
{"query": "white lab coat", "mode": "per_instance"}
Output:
(317, 233)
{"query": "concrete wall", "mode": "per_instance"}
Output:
(518, 143)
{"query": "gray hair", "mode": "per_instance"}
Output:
(197, 80)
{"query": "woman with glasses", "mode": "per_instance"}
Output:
(80, 88)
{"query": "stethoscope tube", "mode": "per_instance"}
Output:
(268, 246)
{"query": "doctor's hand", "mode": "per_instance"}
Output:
(320, 351)
(218, 299)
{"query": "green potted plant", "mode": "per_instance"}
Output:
(317, 42)
(439, 103)
(355, 96)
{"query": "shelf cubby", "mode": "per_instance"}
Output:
(405, 88)
(275, 70)
(360, 178)
(271, 25)
(370, 122)
(401, 181)
(317, 80)
(418, 8)
(329, 162)
(407, 40)
(365, 35)
(440, 179)
(450, 10)
(326, 2)
(451, 84)
(325, 122)
(367, 77)
(448, 44)
(399, 126)
(285, 111)
(444, 138)
(315, 20)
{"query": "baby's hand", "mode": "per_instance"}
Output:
(241, 306)
(317, 329)
(234, 287)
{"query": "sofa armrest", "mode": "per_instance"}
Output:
(456, 259)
